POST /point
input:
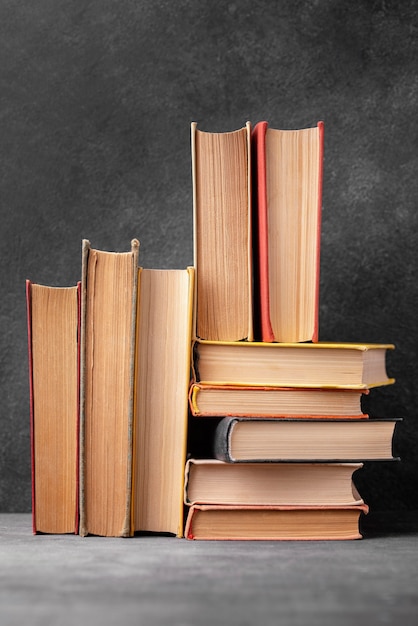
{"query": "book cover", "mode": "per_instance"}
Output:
(222, 233)
(287, 174)
(108, 330)
(165, 306)
(53, 321)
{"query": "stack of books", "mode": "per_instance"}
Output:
(126, 366)
(290, 428)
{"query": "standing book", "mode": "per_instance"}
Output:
(53, 331)
(161, 403)
(108, 329)
(221, 172)
(288, 167)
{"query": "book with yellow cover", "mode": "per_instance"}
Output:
(161, 398)
(321, 364)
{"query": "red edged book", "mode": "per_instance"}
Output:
(287, 185)
(53, 318)
(288, 523)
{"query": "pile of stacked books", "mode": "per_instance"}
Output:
(128, 367)
(290, 428)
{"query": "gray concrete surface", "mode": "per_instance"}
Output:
(158, 581)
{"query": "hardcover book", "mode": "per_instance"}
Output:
(288, 167)
(220, 522)
(221, 169)
(53, 317)
(162, 380)
(209, 481)
(297, 440)
(108, 329)
(321, 364)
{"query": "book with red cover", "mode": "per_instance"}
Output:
(53, 324)
(223, 522)
(287, 186)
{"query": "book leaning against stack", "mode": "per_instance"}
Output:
(288, 430)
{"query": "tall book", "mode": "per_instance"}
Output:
(221, 173)
(288, 167)
(108, 330)
(165, 307)
(53, 331)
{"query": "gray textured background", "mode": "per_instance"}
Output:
(95, 111)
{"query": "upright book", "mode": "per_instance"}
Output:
(221, 169)
(162, 380)
(287, 166)
(108, 330)
(53, 331)
(350, 365)
(264, 440)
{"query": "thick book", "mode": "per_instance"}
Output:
(223, 522)
(222, 232)
(239, 440)
(209, 481)
(288, 172)
(165, 307)
(248, 401)
(53, 316)
(108, 330)
(321, 364)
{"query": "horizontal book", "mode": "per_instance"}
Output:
(209, 481)
(240, 439)
(321, 364)
(53, 315)
(224, 522)
(165, 305)
(246, 401)
(287, 180)
(221, 171)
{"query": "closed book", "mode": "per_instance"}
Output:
(222, 233)
(108, 331)
(288, 172)
(53, 315)
(240, 439)
(321, 364)
(248, 401)
(209, 481)
(165, 306)
(223, 522)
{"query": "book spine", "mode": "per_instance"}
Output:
(31, 406)
(83, 307)
(222, 440)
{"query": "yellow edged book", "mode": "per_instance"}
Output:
(161, 398)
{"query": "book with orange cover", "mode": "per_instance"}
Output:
(222, 233)
(287, 179)
(248, 401)
(306, 365)
(165, 307)
(108, 331)
(223, 522)
(53, 316)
